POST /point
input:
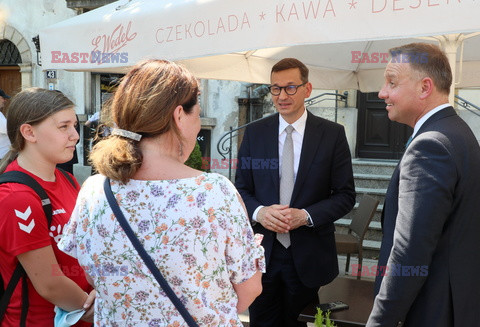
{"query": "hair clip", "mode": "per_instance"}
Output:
(127, 134)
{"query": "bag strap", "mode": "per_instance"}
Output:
(146, 258)
(67, 176)
(25, 301)
(19, 273)
(19, 177)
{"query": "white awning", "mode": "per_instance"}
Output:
(344, 42)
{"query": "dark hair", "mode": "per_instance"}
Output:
(144, 104)
(428, 59)
(30, 106)
(289, 63)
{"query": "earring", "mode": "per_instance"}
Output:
(180, 150)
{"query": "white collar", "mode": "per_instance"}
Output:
(429, 114)
(298, 125)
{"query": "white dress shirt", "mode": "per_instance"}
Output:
(297, 137)
(4, 141)
(429, 114)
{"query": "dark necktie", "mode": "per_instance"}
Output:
(408, 141)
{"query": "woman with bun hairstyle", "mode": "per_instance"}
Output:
(191, 223)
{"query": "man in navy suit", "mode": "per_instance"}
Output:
(323, 191)
(431, 217)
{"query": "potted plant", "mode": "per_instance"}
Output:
(323, 320)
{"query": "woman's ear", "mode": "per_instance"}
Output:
(178, 115)
(28, 133)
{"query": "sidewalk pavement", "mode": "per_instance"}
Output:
(341, 266)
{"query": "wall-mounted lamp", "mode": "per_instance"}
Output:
(36, 41)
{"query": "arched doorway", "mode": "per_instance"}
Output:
(10, 76)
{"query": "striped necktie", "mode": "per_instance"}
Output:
(287, 179)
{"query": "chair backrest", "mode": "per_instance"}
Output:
(363, 215)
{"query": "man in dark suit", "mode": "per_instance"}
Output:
(295, 177)
(431, 217)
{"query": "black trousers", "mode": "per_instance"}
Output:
(283, 296)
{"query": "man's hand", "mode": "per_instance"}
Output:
(272, 218)
(280, 218)
(296, 217)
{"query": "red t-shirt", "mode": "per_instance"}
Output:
(23, 228)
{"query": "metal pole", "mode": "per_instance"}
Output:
(336, 104)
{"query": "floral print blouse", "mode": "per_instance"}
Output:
(195, 229)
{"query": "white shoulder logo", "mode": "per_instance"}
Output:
(24, 216)
(58, 211)
(58, 231)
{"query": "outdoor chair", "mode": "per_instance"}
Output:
(351, 243)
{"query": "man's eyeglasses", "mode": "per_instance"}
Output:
(289, 89)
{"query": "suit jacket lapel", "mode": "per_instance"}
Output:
(394, 181)
(311, 141)
(271, 149)
(392, 191)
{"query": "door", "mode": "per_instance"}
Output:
(377, 136)
(10, 76)
(10, 79)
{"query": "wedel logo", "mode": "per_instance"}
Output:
(115, 41)
(111, 45)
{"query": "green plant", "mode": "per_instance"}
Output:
(322, 320)
(195, 159)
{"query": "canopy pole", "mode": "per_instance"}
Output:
(450, 45)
